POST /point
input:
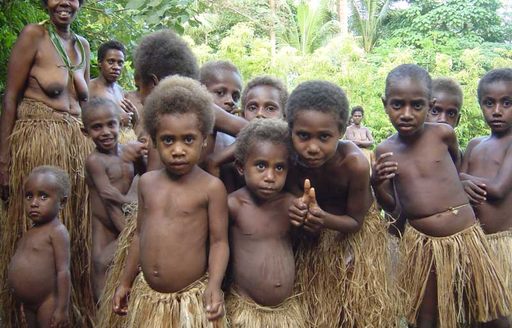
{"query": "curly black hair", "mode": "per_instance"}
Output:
(164, 53)
(60, 175)
(322, 96)
(45, 2)
(92, 105)
(178, 95)
(106, 46)
(209, 70)
(410, 71)
(496, 75)
(261, 130)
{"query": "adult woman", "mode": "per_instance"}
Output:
(40, 124)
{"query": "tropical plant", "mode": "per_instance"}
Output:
(368, 16)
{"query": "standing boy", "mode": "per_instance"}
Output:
(487, 167)
(342, 270)
(38, 273)
(182, 229)
(446, 271)
(109, 179)
(262, 255)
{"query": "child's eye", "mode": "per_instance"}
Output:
(507, 103)
(112, 124)
(110, 61)
(251, 108)
(271, 109)
(236, 97)
(324, 137)
(220, 93)
(434, 111)
(167, 140)
(452, 113)
(189, 139)
(44, 196)
(418, 105)
(302, 135)
(488, 103)
(28, 196)
(396, 104)
(260, 166)
(280, 168)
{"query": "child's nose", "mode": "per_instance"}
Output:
(313, 148)
(269, 176)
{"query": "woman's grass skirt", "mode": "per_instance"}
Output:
(470, 288)
(42, 136)
(106, 317)
(243, 312)
(345, 280)
(184, 309)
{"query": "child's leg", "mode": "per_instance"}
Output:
(101, 262)
(45, 312)
(427, 314)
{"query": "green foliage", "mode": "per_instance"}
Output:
(368, 16)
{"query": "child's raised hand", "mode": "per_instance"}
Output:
(120, 300)
(133, 150)
(384, 169)
(476, 191)
(299, 208)
(130, 109)
(60, 319)
(315, 217)
(213, 300)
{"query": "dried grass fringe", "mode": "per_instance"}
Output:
(126, 134)
(345, 280)
(106, 317)
(184, 309)
(42, 137)
(469, 286)
(245, 313)
(501, 248)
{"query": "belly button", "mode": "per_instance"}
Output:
(278, 284)
(155, 273)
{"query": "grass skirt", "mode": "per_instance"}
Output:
(42, 136)
(126, 134)
(106, 317)
(501, 248)
(345, 280)
(469, 287)
(243, 312)
(183, 309)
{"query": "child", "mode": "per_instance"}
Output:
(111, 62)
(262, 256)
(359, 134)
(38, 273)
(181, 231)
(109, 179)
(446, 271)
(448, 102)
(342, 270)
(264, 97)
(487, 167)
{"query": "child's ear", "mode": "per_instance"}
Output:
(239, 168)
(63, 202)
(155, 80)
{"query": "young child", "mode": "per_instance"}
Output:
(262, 257)
(109, 179)
(342, 271)
(38, 273)
(446, 271)
(181, 241)
(448, 102)
(359, 134)
(111, 62)
(264, 97)
(487, 167)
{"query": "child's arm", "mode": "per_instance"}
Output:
(450, 138)
(217, 159)
(383, 171)
(97, 173)
(473, 186)
(131, 268)
(227, 123)
(61, 251)
(219, 249)
(358, 202)
(498, 187)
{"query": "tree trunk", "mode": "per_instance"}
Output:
(343, 17)
(272, 4)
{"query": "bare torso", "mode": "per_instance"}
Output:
(485, 160)
(262, 255)
(173, 229)
(50, 82)
(97, 88)
(427, 183)
(32, 274)
(357, 133)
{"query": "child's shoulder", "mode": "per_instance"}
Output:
(94, 161)
(211, 182)
(59, 231)
(351, 156)
(441, 129)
